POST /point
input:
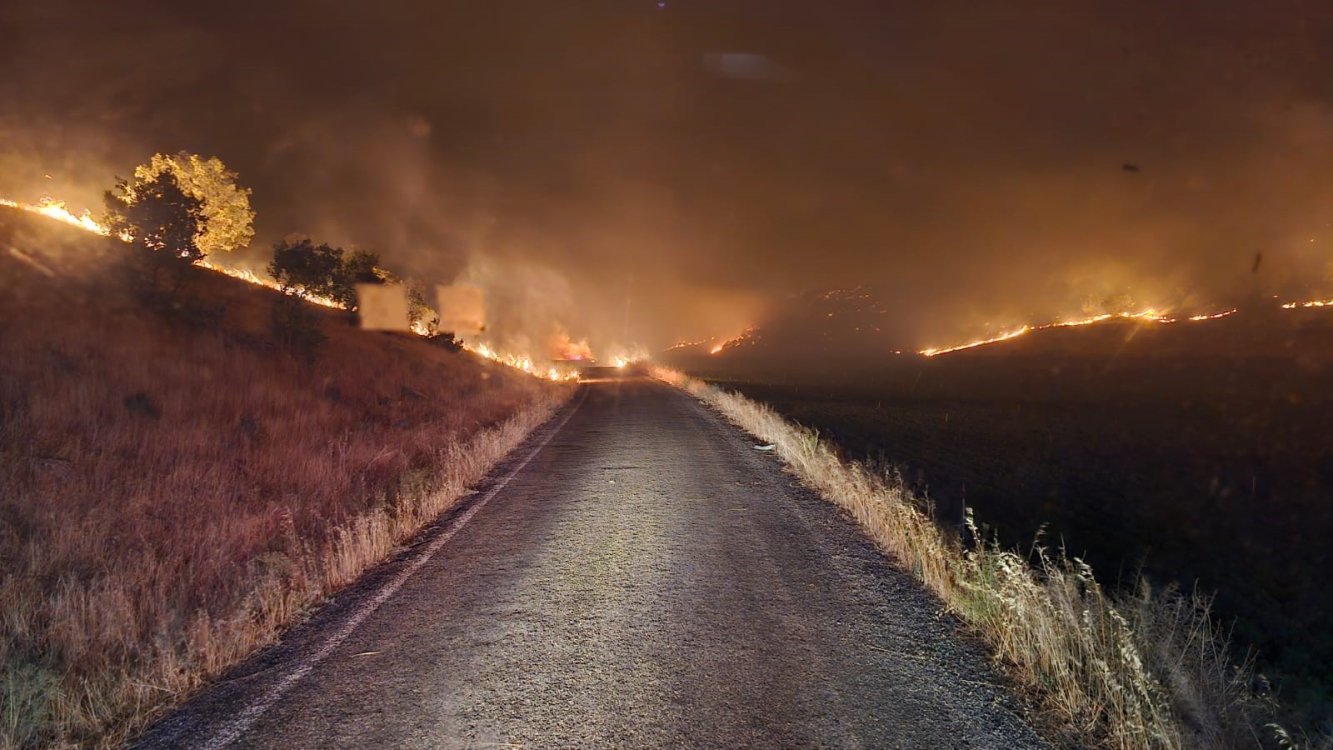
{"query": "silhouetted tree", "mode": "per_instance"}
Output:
(306, 268)
(357, 267)
(157, 215)
(323, 270)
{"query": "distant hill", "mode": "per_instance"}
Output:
(853, 331)
(839, 324)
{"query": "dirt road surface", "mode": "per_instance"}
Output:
(645, 578)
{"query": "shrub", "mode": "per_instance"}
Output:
(311, 270)
(302, 267)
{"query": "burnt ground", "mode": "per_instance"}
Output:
(1191, 470)
(648, 579)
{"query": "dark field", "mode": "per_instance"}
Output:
(1208, 468)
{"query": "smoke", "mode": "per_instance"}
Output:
(525, 304)
(637, 175)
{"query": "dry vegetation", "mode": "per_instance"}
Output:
(175, 488)
(1144, 671)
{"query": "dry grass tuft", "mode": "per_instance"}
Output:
(175, 491)
(1144, 671)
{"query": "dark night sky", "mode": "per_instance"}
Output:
(966, 160)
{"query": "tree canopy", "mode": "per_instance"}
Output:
(323, 270)
(304, 267)
(228, 220)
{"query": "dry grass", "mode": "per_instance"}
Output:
(1149, 670)
(173, 495)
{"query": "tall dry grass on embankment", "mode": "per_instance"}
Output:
(174, 493)
(1150, 670)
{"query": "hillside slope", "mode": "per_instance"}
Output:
(176, 487)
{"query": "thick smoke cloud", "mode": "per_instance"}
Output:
(977, 163)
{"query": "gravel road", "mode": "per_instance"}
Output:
(645, 579)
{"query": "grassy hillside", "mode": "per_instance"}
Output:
(176, 487)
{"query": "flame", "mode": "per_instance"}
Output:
(250, 277)
(566, 348)
(1214, 316)
(54, 209)
(520, 362)
(734, 340)
(1311, 303)
(57, 210)
(973, 344)
(1147, 316)
(1150, 315)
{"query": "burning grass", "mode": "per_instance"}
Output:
(173, 493)
(1143, 671)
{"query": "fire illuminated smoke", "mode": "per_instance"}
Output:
(565, 348)
(54, 209)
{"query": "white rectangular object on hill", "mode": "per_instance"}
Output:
(462, 309)
(382, 307)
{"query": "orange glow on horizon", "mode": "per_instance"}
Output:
(1146, 316)
(566, 348)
